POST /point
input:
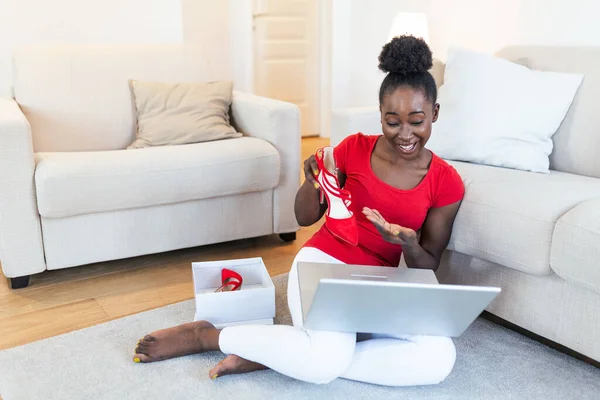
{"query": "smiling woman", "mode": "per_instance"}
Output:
(394, 187)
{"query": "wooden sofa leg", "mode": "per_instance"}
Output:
(288, 237)
(19, 282)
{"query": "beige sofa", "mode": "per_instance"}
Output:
(537, 236)
(71, 195)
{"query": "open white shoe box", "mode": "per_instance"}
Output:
(253, 303)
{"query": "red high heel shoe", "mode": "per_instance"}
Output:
(340, 221)
(230, 280)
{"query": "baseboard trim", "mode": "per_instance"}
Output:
(556, 346)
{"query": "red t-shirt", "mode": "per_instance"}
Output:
(441, 186)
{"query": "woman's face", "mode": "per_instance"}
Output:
(406, 118)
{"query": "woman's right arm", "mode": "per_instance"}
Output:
(307, 207)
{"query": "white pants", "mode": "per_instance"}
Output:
(322, 356)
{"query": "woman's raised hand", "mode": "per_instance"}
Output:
(391, 233)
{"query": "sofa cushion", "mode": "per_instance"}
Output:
(577, 140)
(182, 112)
(89, 182)
(479, 91)
(508, 216)
(576, 245)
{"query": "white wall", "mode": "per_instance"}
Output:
(224, 29)
(84, 21)
(241, 43)
(483, 25)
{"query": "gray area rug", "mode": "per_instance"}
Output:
(95, 363)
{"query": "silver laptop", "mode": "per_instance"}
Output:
(387, 300)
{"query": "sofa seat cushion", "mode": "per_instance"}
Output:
(90, 182)
(508, 216)
(576, 245)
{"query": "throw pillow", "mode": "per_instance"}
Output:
(181, 113)
(500, 113)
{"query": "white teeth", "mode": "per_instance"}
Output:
(409, 147)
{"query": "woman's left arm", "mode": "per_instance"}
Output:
(426, 252)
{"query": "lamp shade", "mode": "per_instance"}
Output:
(414, 24)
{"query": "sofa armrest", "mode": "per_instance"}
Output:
(350, 120)
(21, 247)
(278, 123)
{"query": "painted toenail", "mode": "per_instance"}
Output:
(214, 376)
(137, 360)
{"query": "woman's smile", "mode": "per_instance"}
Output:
(409, 148)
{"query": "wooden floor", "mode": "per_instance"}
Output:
(60, 301)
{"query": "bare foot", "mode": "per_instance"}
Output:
(233, 364)
(191, 338)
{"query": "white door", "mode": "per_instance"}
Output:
(286, 63)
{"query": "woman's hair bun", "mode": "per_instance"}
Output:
(406, 55)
